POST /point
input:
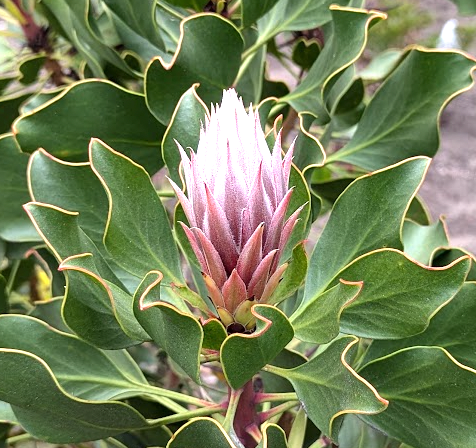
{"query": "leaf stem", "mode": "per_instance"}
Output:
(277, 410)
(11, 277)
(19, 438)
(264, 397)
(186, 415)
(209, 358)
(231, 410)
(177, 396)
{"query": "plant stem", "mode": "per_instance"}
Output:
(232, 407)
(263, 397)
(177, 396)
(209, 358)
(19, 438)
(186, 415)
(11, 277)
(277, 410)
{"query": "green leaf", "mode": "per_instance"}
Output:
(50, 312)
(87, 309)
(346, 44)
(9, 109)
(452, 328)
(465, 7)
(81, 369)
(392, 282)
(329, 388)
(6, 413)
(179, 333)
(197, 5)
(252, 10)
(273, 436)
(250, 79)
(318, 320)
(305, 52)
(73, 17)
(354, 433)
(93, 108)
(294, 15)
(47, 412)
(184, 127)
(421, 242)
(242, 356)
(367, 216)
(410, 101)
(287, 359)
(115, 302)
(14, 223)
(201, 432)
(308, 151)
(135, 23)
(381, 66)
(208, 53)
(214, 334)
(138, 234)
(29, 68)
(70, 186)
(293, 276)
(432, 398)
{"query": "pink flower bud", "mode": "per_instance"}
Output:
(236, 202)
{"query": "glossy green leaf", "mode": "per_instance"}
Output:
(73, 17)
(201, 432)
(444, 257)
(294, 15)
(48, 413)
(421, 242)
(250, 80)
(329, 388)
(14, 223)
(197, 5)
(308, 151)
(70, 186)
(465, 7)
(179, 333)
(6, 413)
(242, 355)
(354, 433)
(93, 108)
(293, 276)
(138, 234)
(9, 109)
(411, 101)
(452, 328)
(287, 359)
(50, 312)
(136, 25)
(115, 301)
(184, 128)
(208, 53)
(81, 369)
(367, 216)
(88, 306)
(273, 436)
(350, 27)
(305, 52)
(252, 10)
(214, 334)
(318, 320)
(381, 66)
(29, 68)
(392, 282)
(432, 398)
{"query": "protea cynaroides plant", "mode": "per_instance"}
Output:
(236, 203)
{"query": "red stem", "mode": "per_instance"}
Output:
(246, 417)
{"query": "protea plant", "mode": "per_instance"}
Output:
(236, 203)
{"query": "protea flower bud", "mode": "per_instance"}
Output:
(237, 197)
